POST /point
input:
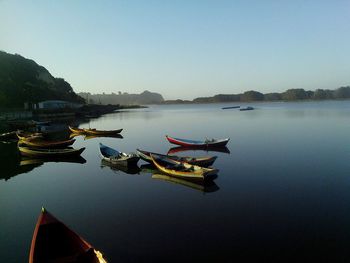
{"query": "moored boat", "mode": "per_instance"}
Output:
(29, 135)
(101, 132)
(76, 130)
(46, 144)
(181, 169)
(200, 161)
(53, 241)
(90, 131)
(199, 144)
(36, 152)
(113, 156)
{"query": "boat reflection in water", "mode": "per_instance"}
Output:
(13, 164)
(10, 161)
(131, 169)
(117, 136)
(13, 169)
(179, 149)
(75, 159)
(205, 187)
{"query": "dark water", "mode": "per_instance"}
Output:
(282, 193)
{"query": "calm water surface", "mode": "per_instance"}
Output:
(282, 193)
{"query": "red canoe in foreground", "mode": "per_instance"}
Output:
(198, 144)
(53, 241)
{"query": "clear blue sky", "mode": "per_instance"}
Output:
(183, 49)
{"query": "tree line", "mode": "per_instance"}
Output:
(288, 95)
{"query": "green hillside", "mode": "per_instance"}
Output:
(23, 80)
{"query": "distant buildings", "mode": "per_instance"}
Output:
(51, 105)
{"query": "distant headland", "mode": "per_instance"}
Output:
(24, 82)
(289, 95)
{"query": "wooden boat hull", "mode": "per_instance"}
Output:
(183, 170)
(53, 241)
(76, 130)
(197, 144)
(24, 136)
(47, 144)
(101, 133)
(200, 161)
(33, 152)
(94, 131)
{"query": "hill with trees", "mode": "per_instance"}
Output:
(289, 95)
(23, 80)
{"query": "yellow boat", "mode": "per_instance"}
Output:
(26, 136)
(93, 131)
(101, 132)
(76, 130)
(181, 169)
(25, 151)
(37, 143)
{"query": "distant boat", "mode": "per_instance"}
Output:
(116, 157)
(53, 241)
(183, 170)
(200, 144)
(230, 107)
(32, 152)
(246, 108)
(201, 161)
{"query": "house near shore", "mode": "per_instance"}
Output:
(58, 104)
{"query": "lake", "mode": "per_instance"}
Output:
(282, 192)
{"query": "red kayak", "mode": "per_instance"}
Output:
(198, 144)
(53, 241)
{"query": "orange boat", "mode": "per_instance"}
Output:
(53, 241)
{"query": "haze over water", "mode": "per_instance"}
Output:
(282, 192)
